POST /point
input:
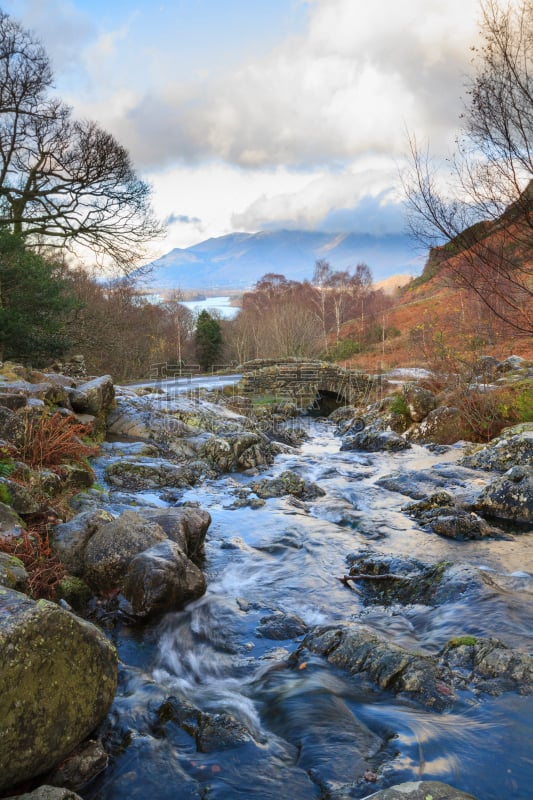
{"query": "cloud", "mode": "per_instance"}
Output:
(185, 219)
(349, 86)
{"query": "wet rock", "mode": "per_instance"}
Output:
(408, 581)
(372, 441)
(185, 525)
(12, 400)
(287, 483)
(416, 485)
(161, 578)
(243, 450)
(13, 574)
(419, 790)
(513, 447)
(211, 732)
(11, 424)
(443, 425)
(439, 515)
(419, 401)
(358, 649)
(141, 474)
(50, 393)
(87, 761)
(509, 497)
(489, 665)
(69, 539)
(282, 626)
(111, 548)
(58, 675)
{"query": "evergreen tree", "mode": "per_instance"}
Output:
(34, 304)
(208, 338)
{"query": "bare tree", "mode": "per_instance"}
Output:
(484, 210)
(62, 181)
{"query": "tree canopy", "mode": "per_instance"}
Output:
(483, 210)
(63, 181)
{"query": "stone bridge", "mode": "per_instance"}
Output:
(316, 384)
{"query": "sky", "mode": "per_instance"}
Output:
(249, 115)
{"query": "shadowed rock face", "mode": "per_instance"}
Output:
(42, 648)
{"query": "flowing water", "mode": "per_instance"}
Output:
(306, 725)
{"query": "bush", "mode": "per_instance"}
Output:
(52, 440)
(45, 570)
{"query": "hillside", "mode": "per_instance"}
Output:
(438, 319)
(238, 260)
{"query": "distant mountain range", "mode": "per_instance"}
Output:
(239, 260)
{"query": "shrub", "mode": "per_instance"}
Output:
(52, 440)
(45, 570)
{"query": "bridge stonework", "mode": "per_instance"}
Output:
(302, 381)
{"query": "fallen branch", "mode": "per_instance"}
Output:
(363, 577)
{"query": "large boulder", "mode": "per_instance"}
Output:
(419, 401)
(140, 474)
(48, 793)
(185, 525)
(70, 539)
(374, 440)
(513, 447)
(10, 522)
(58, 675)
(510, 496)
(111, 548)
(12, 572)
(162, 578)
(443, 425)
(94, 396)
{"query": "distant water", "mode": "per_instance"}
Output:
(219, 304)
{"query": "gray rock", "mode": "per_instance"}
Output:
(161, 578)
(443, 425)
(287, 483)
(282, 626)
(509, 496)
(420, 790)
(419, 401)
(513, 447)
(21, 499)
(13, 574)
(142, 473)
(111, 548)
(93, 397)
(185, 525)
(87, 761)
(373, 441)
(58, 675)
(10, 522)
(70, 539)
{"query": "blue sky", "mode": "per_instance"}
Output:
(255, 115)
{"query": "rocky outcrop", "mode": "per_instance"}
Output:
(485, 665)
(443, 425)
(509, 497)
(58, 676)
(513, 447)
(94, 396)
(112, 547)
(161, 577)
(150, 557)
(373, 441)
(439, 514)
(287, 483)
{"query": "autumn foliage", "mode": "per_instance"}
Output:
(52, 440)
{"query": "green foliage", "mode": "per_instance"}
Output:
(398, 405)
(5, 496)
(34, 304)
(208, 337)
(342, 350)
(462, 641)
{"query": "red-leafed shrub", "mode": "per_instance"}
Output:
(52, 440)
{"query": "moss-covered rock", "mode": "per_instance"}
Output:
(509, 497)
(13, 574)
(58, 675)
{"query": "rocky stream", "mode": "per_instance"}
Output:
(362, 625)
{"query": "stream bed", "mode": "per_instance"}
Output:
(302, 728)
